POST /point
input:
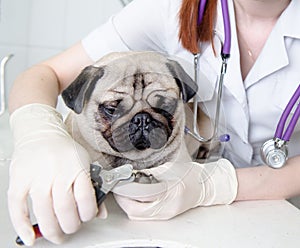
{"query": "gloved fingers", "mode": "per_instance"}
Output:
(19, 214)
(84, 195)
(45, 216)
(64, 205)
(165, 206)
(102, 212)
(141, 192)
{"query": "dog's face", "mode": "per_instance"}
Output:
(130, 106)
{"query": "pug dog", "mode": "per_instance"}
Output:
(129, 107)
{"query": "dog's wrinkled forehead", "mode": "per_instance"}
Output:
(119, 67)
(125, 58)
(139, 69)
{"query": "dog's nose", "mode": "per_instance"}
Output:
(140, 127)
(146, 132)
(142, 120)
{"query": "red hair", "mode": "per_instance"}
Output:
(190, 33)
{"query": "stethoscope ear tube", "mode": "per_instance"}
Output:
(225, 54)
(195, 134)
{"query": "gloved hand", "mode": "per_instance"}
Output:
(181, 186)
(51, 168)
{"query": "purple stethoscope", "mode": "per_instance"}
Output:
(274, 152)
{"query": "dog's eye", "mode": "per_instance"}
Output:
(108, 109)
(168, 105)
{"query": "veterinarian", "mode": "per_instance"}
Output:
(262, 74)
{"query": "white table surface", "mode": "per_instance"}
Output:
(243, 224)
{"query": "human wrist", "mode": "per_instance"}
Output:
(220, 183)
(32, 117)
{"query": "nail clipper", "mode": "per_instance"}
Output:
(103, 181)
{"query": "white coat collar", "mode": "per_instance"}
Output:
(274, 55)
(290, 19)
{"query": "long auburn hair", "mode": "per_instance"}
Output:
(190, 33)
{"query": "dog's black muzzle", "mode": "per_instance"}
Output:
(146, 132)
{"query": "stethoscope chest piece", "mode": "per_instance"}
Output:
(274, 153)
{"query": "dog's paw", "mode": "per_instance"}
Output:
(208, 152)
(141, 177)
(203, 152)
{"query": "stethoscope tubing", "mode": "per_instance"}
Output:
(226, 21)
(202, 5)
(227, 30)
(282, 122)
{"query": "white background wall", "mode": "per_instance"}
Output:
(34, 30)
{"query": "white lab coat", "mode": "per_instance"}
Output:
(250, 109)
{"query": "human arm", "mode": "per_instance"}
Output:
(43, 82)
(263, 182)
(47, 164)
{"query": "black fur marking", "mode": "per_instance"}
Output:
(186, 84)
(80, 90)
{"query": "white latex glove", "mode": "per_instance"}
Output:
(51, 168)
(181, 186)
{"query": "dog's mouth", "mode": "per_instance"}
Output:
(140, 133)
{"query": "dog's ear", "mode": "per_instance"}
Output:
(185, 83)
(80, 90)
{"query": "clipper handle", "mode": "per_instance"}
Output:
(100, 197)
